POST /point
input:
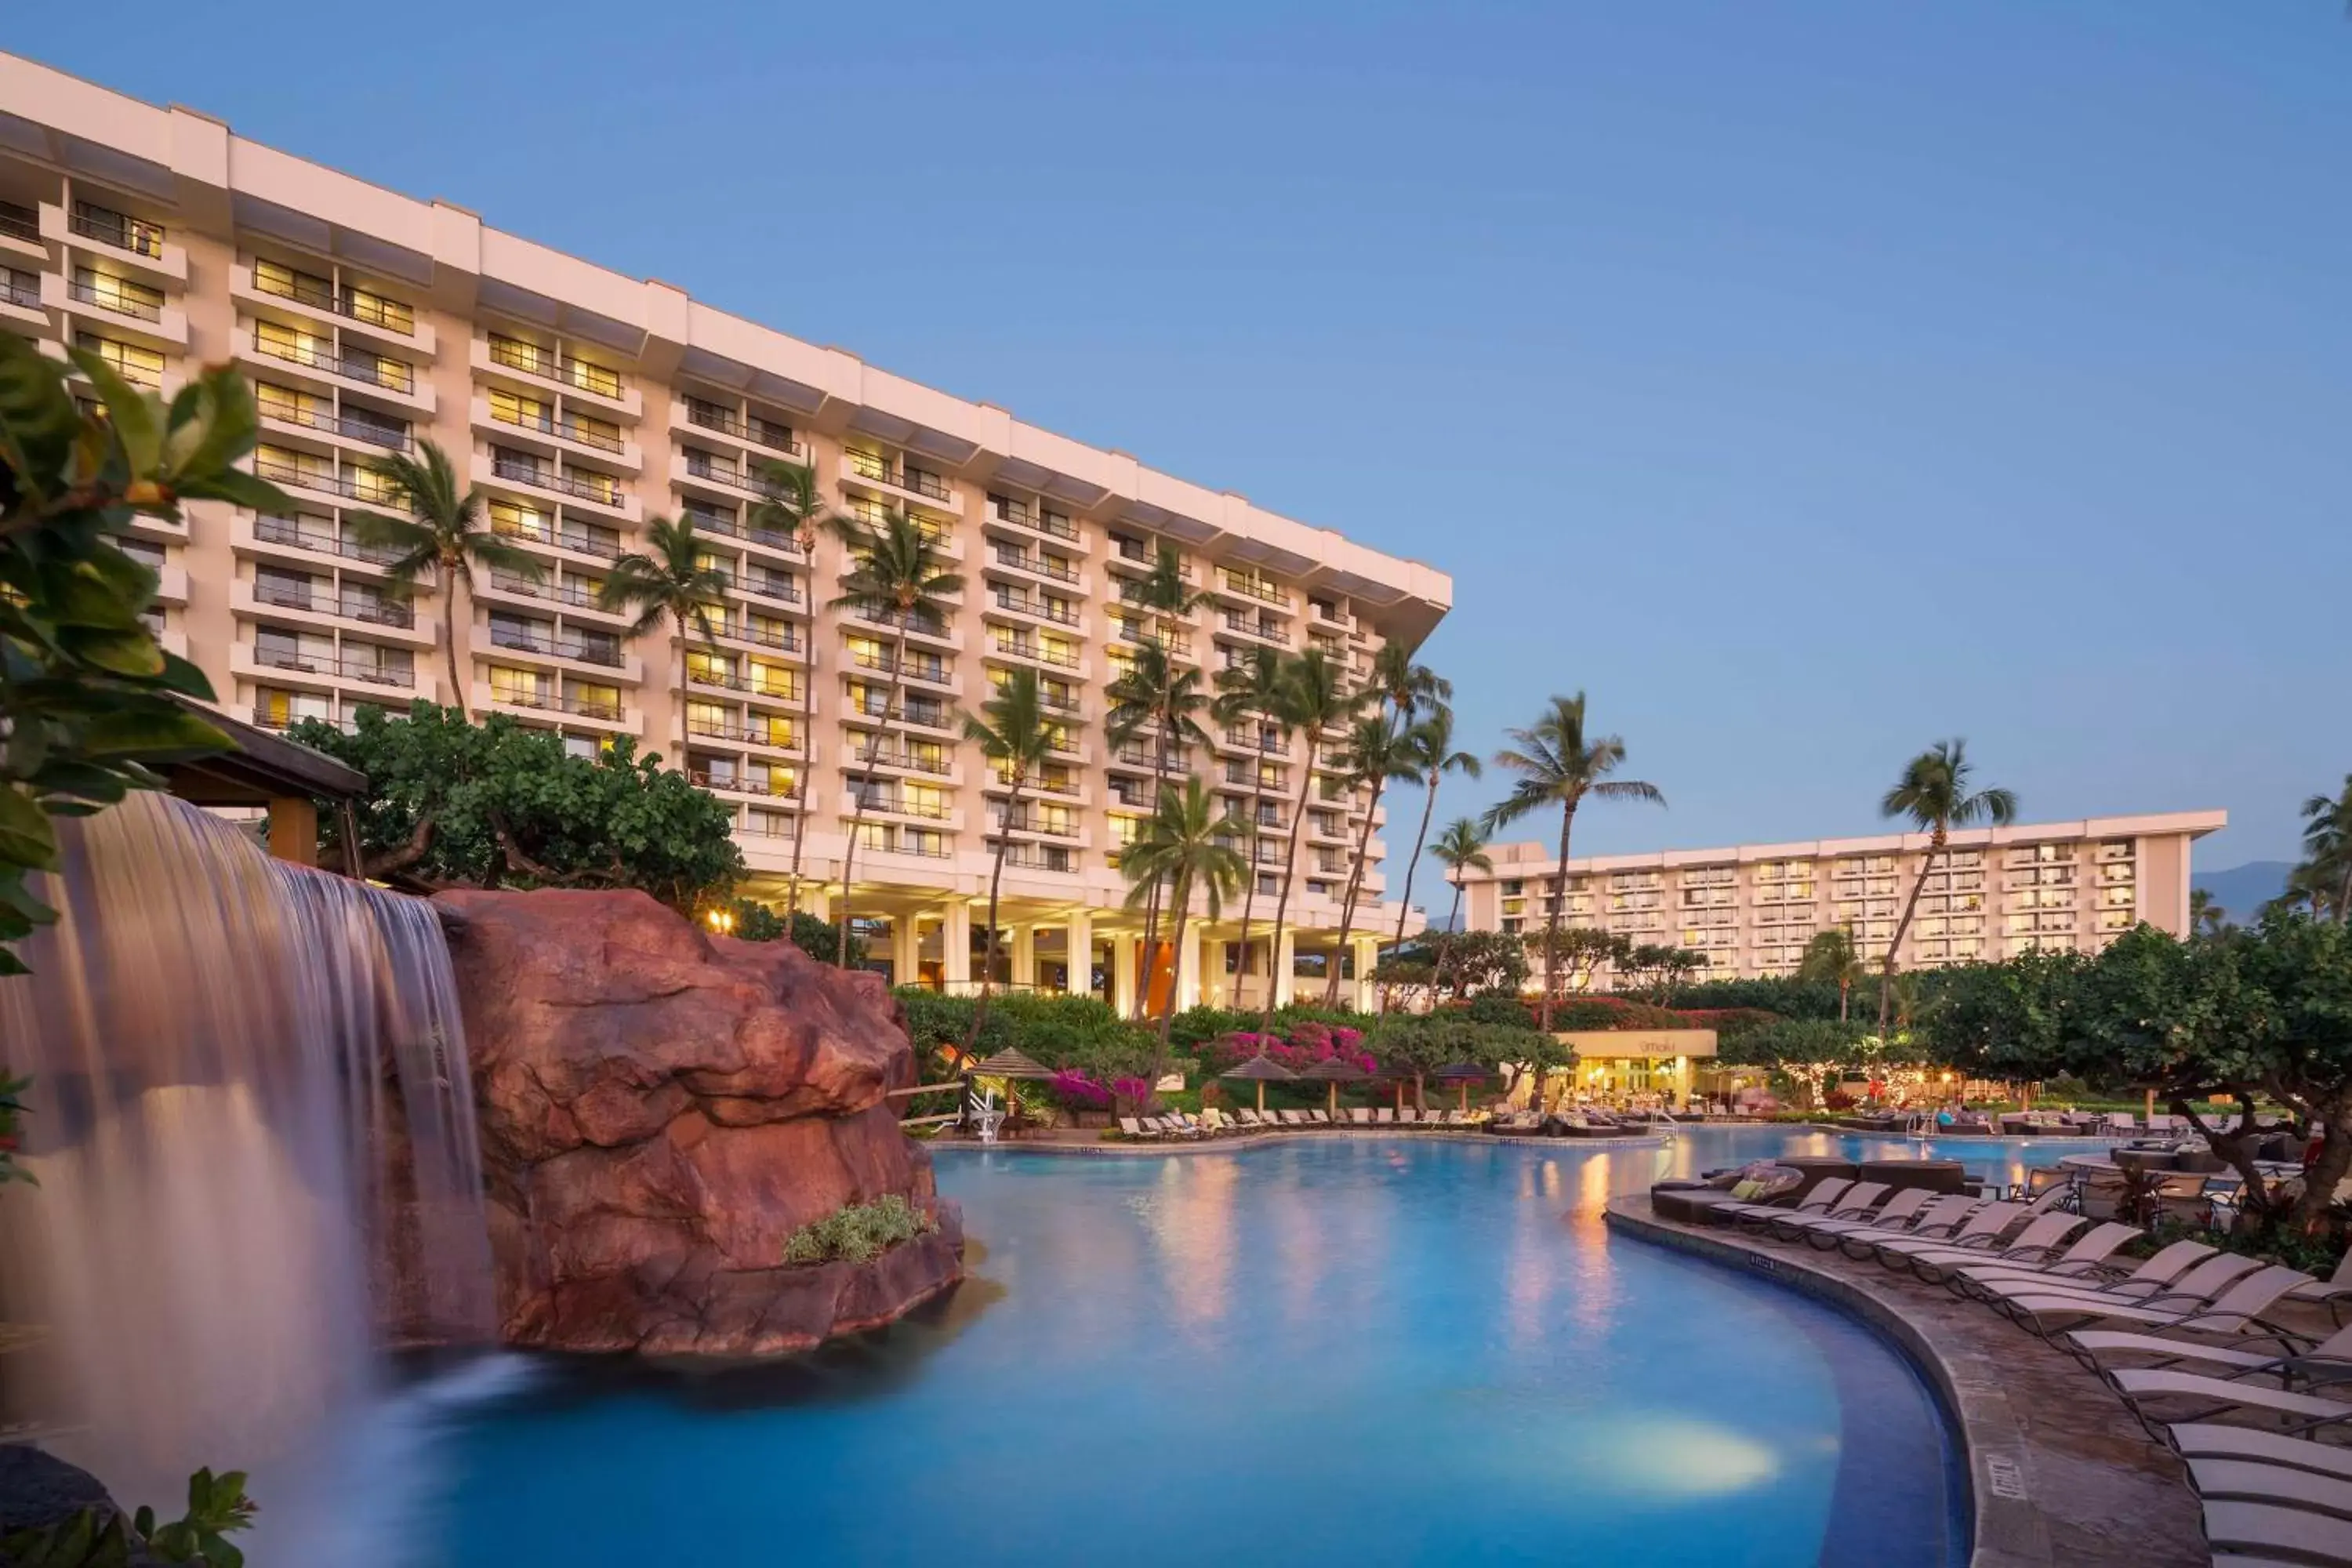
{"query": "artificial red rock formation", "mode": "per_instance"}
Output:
(662, 1108)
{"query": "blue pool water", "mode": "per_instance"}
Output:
(1383, 1352)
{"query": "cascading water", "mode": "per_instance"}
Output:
(254, 1131)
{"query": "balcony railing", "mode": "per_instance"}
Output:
(709, 779)
(532, 359)
(1044, 609)
(935, 670)
(379, 612)
(357, 305)
(115, 300)
(20, 223)
(110, 228)
(916, 762)
(394, 438)
(282, 531)
(20, 289)
(351, 486)
(1017, 560)
(757, 431)
(1014, 649)
(743, 631)
(522, 471)
(549, 425)
(375, 370)
(1247, 627)
(1251, 587)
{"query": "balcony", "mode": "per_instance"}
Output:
(318, 540)
(508, 468)
(20, 230)
(691, 468)
(892, 803)
(753, 431)
(904, 480)
(940, 766)
(783, 638)
(740, 783)
(359, 486)
(931, 670)
(374, 374)
(377, 432)
(1036, 653)
(1233, 624)
(118, 305)
(557, 436)
(319, 599)
(1035, 608)
(502, 356)
(133, 241)
(1005, 560)
(1005, 512)
(600, 711)
(578, 540)
(1246, 587)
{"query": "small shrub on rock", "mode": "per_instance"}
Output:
(858, 1233)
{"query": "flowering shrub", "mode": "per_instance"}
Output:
(1133, 1089)
(1838, 1100)
(1078, 1090)
(1308, 1043)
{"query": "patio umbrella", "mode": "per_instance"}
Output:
(1011, 1062)
(1265, 1070)
(1334, 1071)
(1401, 1074)
(1461, 1074)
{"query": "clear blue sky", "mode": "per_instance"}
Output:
(1807, 380)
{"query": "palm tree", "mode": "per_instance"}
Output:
(791, 504)
(1460, 847)
(447, 531)
(1250, 693)
(1156, 695)
(2206, 917)
(1832, 956)
(670, 580)
(1186, 845)
(1016, 736)
(1315, 696)
(1560, 766)
(895, 578)
(1934, 793)
(1434, 756)
(2327, 848)
(1408, 687)
(1380, 748)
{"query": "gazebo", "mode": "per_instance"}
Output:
(1334, 1071)
(1262, 1070)
(1008, 1063)
(1461, 1074)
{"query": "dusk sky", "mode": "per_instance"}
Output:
(1806, 381)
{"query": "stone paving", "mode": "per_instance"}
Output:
(2059, 1470)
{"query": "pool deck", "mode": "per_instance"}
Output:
(1090, 1142)
(2058, 1471)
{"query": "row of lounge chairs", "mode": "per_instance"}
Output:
(2215, 1352)
(1185, 1125)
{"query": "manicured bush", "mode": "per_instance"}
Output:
(858, 1233)
(821, 940)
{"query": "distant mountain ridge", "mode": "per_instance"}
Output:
(2242, 891)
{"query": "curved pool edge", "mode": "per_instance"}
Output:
(1272, 1139)
(2012, 1522)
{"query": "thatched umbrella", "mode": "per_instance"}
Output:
(1010, 1062)
(1263, 1070)
(1461, 1074)
(1400, 1073)
(1334, 1071)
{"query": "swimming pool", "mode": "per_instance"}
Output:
(1386, 1350)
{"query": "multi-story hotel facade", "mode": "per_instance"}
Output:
(1750, 909)
(582, 402)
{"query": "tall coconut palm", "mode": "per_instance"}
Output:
(669, 581)
(1379, 749)
(793, 505)
(1460, 847)
(1934, 793)
(1015, 734)
(1831, 957)
(1158, 696)
(1249, 694)
(1187, 845)
(2327, 848)
(895, 577)
(446, 530)
(1431, 742)
(1560, 765)
(1409, 688)
(1316, 695)
(2206, 915)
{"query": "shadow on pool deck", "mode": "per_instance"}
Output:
(2091, 1489)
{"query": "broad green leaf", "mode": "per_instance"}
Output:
(239, 487)
(132, 653)
(26, 839)
(39, 422)
(153, 733)
(185, 677)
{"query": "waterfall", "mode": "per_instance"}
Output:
(253, 1126)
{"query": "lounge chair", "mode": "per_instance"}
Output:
(2330, 1360)
(1939, 1218)
(1991, 1282)
(2297, 1412)
(1319, 1118)
(1823, 1230)
(1856, 1202)
(1383, 1117)
(2041, 1235)
(2084, 1257)
(2211, 1440)
(1978, 1232)
(1249, 1119)
(2274, 1535)
(2229, 1312)
(1134, 1129)
(1292, 1117)
(1824, 1192)
(1358, 1116)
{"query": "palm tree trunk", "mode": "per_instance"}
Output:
(1152, 896)
(1886, 970)
(1404, 900)
(450, 616)
(857, 813)
(1437, 973)
(1846, 989)
(995, 878)
(801, 783)
(1551, 927)
(1178, 897)
(1347, 904)
(1249, 897)
(1282, 899)
(681, 689)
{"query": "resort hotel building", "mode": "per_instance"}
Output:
(1751, 908)
(583, 403)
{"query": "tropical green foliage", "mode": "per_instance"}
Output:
(1559, 767)
(452, 804)
(2322, 882)
(1934, 792)
(1014, 734)
(669, 581)
(1380, 751)
(791, 505)
(755, 922)
(858, 1233)
(88, 696)
(1187, 846)
(445, 533)
(217, 1509)
(1316, 695)
(12, 1112)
